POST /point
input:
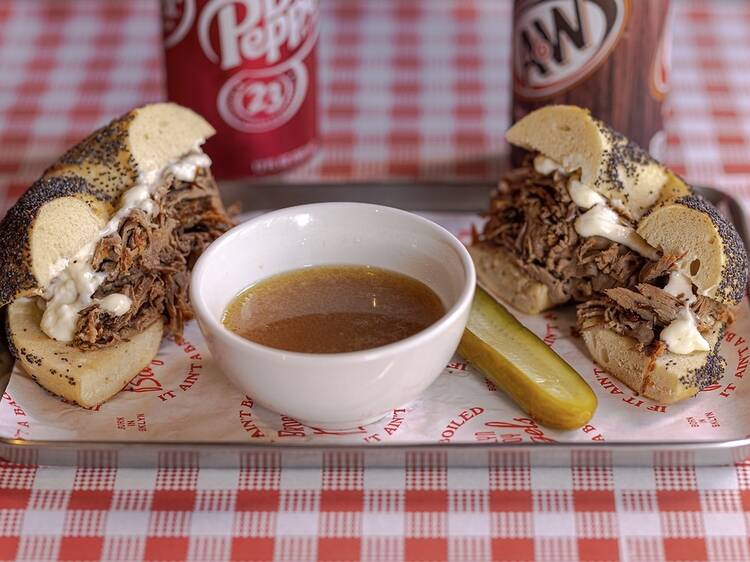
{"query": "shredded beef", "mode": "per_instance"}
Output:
(532, 218)
(641, 313)
(707, 307)
(647, 301)
(149, 260)
(655, 270)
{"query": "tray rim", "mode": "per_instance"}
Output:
(400, 446)
(688, 448)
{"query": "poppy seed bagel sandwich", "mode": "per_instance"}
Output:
(591, 218)
(96, 255)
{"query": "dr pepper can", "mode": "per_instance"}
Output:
(249, 68)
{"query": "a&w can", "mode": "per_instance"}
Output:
(249, 67)
(611, 56)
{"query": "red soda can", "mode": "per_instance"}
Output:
(249, 68)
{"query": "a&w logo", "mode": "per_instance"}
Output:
(263, 30)
(557, 43)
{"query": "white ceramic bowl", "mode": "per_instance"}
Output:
(340, 390)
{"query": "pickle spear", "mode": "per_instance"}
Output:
(524, 367)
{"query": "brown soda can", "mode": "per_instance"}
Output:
(611, 56)
(249, 68)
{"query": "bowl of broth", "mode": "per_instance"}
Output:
(333, 313)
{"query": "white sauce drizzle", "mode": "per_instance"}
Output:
(116, 304)
(600, 220)
(682, 336)
(75, 281)
(546, 166)
(583, 196)
(679, 285)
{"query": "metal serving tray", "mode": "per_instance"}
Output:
(425, 197)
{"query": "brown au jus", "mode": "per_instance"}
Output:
(333, 309)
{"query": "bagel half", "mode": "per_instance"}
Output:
(67, 207)
(95, 256)
(714, 259)
(609, 163)
(593, 219)
(86, 378)
(666, 378)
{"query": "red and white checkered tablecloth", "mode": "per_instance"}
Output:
(408, 89)
(377, 515)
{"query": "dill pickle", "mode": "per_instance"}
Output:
(524, 367)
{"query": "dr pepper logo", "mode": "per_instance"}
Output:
(558, 43)
(260, 46)
(267, 30)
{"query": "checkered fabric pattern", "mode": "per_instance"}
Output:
(408, 89)
(347, 512)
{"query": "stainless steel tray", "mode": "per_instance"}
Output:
(432, 197)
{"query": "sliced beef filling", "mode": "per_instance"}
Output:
(642, 312)
(532, 218)
(149, 259)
